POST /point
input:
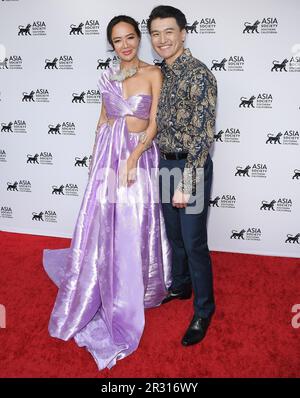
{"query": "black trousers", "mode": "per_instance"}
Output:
(187, 234)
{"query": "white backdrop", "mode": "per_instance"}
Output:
(30, 198)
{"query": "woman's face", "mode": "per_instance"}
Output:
(125, 41)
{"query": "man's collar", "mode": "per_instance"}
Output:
(178, 66)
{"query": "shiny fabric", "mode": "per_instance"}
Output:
(119, 259)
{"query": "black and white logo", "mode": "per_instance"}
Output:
(36, 28)
(64, 128)
(233, 63)
(82, 162)
(252, 233)
(201, 26)
(247, 102)
(12, 62)
(7, 127)
(230, 135)
(58, 190)
(89, 27)
(267, 25)
(103, 64)
(251, 27)
(44, 216)
(287, 65)
(288, 137)
(61, 62)
(256, 170)
(6, 212)
(69, 189)
(292, 238)
(90, 96)
(281, 204)
(262, 100)
(19, 186)
(223, 201)
(41, 158)
(39, 95)
(18, 126)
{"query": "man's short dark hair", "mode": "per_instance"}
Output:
(167, 12)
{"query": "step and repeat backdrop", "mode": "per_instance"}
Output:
(52, 53)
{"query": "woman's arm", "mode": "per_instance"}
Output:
(103, 116)
(128, 174)
(150, 132)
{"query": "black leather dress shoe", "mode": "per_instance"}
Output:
(178, 294)
(196, 331)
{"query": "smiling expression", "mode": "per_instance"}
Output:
(167, 38)
(125, 41)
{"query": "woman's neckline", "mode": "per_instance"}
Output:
(121, 88)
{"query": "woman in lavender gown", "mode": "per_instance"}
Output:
(119, 259)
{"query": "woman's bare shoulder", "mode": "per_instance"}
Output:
(150, 70)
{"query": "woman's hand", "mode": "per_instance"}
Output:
(128, 172)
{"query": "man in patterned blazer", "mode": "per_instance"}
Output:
(186, 124)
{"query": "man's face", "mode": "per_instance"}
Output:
(167, 38)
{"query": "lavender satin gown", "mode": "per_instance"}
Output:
(119, 259)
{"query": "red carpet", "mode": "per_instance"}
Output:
(250, 336)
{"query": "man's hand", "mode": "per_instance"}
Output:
(180, 199)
